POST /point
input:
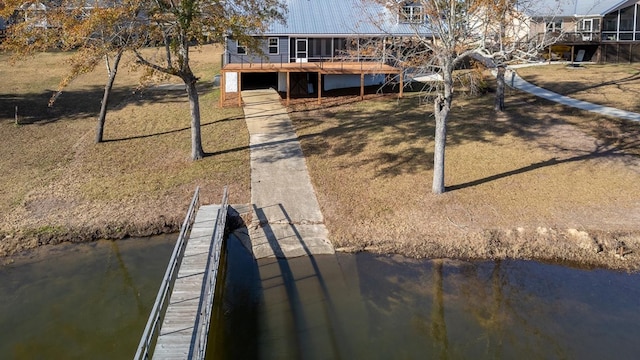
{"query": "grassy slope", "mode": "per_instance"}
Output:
(516, 182)
(55, 178)
(613, 85)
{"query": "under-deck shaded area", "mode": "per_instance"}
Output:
(298, 76)
(259, 80)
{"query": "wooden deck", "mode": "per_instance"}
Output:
(322, 67)
(361, 68)
(179, 331)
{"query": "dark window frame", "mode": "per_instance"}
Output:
(240, 49)
(273, 49)
(411, 14)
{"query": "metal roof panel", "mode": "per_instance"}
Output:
(568, 8)
(339, 17)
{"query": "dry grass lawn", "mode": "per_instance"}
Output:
(59, 185)
(613, 85)
(540, 181)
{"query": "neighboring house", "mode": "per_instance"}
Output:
(323, 45)
(3, 28)
(35, 13)
(601, 30)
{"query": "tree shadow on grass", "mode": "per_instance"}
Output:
(79, 104)
(168, 132)
(403, 133)
(613, 138)
(598, 153)
(568, 88)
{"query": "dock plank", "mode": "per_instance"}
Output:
(177, 331)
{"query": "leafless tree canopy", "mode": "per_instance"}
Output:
(446, 33)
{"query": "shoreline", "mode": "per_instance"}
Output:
(25, 240)
(609, 250)
(571, 247)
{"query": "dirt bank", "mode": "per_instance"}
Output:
(568, 247)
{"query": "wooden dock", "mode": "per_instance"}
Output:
(179, 331)
(178, 326)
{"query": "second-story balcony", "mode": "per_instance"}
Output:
(324, 64)
(590, 37)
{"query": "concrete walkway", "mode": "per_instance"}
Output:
(515, 81)
(287, 221)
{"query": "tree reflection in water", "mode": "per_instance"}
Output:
(400, 308)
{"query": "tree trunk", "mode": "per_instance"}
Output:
(440, 139)
(194, 103)
(499, 101)
(442, 106)
(113, 70)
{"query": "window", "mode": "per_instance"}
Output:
(627, 18)
(273, 46)
(589, 25)
(621, 24)
(588, 28)
(554, 26)
(240, 48)
(412, 14)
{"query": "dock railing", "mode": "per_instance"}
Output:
(206, 305)
(152, 328)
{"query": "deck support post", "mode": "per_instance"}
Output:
(222, 88)
(401, 84)
(361, 86)
(572, 53)
(239, 88)
(288, 87)
(319, 88)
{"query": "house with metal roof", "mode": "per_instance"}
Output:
(604, 30)
(323, 45)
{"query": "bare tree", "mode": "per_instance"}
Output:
(183, 23)
(446, 33)
(95, 31)
(507, 37)
(107, 29)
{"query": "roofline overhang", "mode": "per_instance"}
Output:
(619, 6)
(347, 35)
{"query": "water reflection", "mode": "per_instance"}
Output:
(92, 301)
(380, 307)
(86, 301)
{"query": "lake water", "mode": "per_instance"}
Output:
(388, 307)
(84, 301)
(91, 301)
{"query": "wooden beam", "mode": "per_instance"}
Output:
(222, 88)
(573, 47)
(361, 86)
(401, 83)
(288, 87)
(319, 88)
(239, 88)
